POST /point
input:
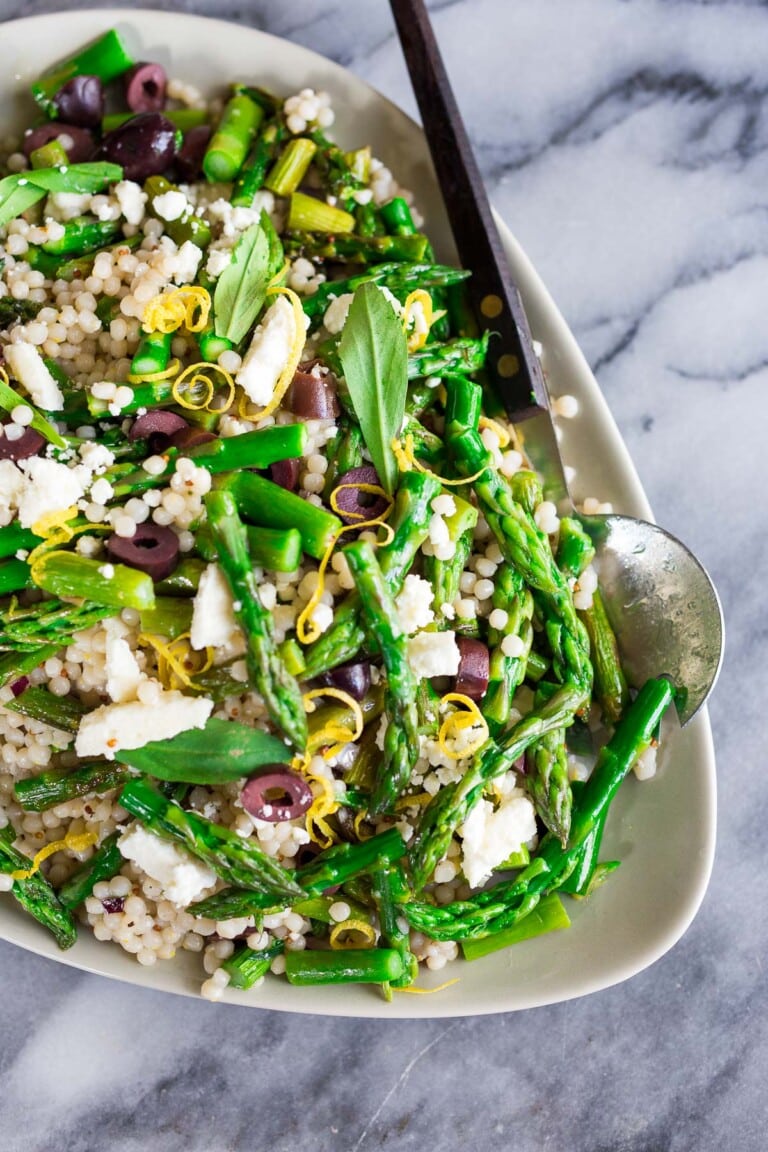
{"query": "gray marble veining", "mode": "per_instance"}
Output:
(626, 142)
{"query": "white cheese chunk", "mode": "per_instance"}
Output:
(123, 673)
(188, 258)
(49, 487)
(336, 313)
(115, 727)
(28, 367)
(268, 353)
(170, 205)
(213, 617)
(131, 198)
(414, 604)
(218, 260)
(12, 484)
(434, 654)
(183, 878)
(489, 837)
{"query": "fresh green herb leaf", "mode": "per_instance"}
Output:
(374, 356)
(88, 177)
(23, 189)
(16, 195)
(221, 751)
(9, 399)
(242, 286)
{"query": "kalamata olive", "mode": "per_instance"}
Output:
(189, 158)
(113, 903)
(474, 668)
(153, 549)
(185, 439)
(145, 87)
(81, 101)
(354, 678)
(313, 397)
(28, 444)
(286, 474)
(78, 143)
(158, 427)
(354, 505)
(277, 793)
(143, 145)
(20, 685)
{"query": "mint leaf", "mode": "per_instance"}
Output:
(374, 357)
(242, 286)
(223, 750)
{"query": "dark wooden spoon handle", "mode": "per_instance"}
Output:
(513, 366)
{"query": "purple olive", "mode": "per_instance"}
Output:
(81, 101)
(353, 678)
(474, 668)
(20, 686)
(28, 444)
(313, 397)
(144, 145)
(277, 793)
(158, 427)
(189, 159)
(188, 438)
(286, 474)
(153, 549)
(145, 87)
(352, 504)
(78, 143)
(113, 903)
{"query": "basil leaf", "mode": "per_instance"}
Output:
(223, 750)
(276, 250)
(242, 286)
(89, 177)
(374, 356)
(16, 195)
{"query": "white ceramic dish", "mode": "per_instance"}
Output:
(663, 830)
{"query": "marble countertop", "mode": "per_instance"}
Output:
(626, 142)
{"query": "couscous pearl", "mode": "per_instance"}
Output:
(513, 647)
(340, 911)
(124, 526)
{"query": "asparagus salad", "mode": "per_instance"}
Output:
(299, 669)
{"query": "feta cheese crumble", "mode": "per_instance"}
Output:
(183, 878)
(116, 727)
(268, 353)
(213, 615)
(434, 654)
(28, 367)
(489, 837)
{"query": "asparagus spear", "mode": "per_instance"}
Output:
(444, 575)
(507, 672)
(611, 688)
(348, 248)
(106, 58)
(401, 739)
(348, 966)
(230, 142)
(50, 622)
(389, 889)
(410, 524)
(507, 903)
(105, 863)
(270, 505)
(547, 783)
(254, 170)
(451, 806)
(62, 712)
(58, 785)
(266, 670)
(69, 574)
(395, 275)
(236, 860)
(245, 966)
(344, 453)
(35, 893)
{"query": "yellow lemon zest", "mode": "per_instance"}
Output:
(194, 379)
(173, 659)
(417, 798)
(76, 842)
(190, 306)
(155, 377)
(335, 732)
(406, 459)
(55, 529)
(370, 489)
(428, 991)
(502, 433)
(324, 805)
(294, 356)
(357, 823)
(416, 339)
(306, 630)
(346, 927)
(278, 276)
(456, 722)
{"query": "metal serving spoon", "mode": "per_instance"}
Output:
(662, 604)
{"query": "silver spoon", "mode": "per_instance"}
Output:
(662, 604)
